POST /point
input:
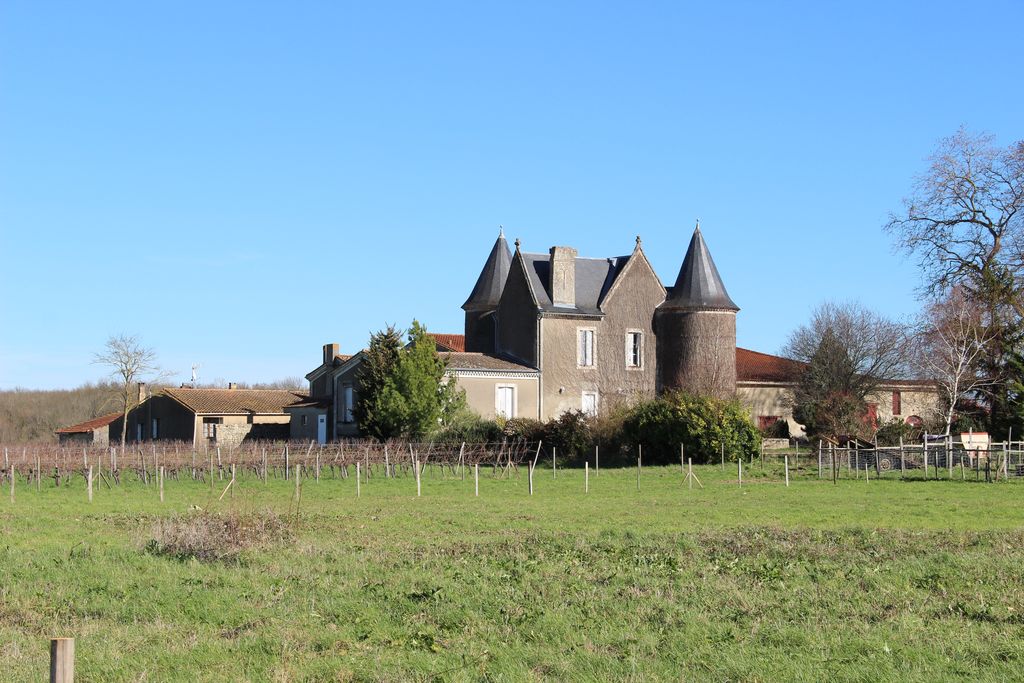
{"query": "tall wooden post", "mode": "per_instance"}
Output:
(476, 479)
(62, 660)
(358, 477)
(161, 475)
(819, 465)
(88, 477)
(530, 477)
(586, 477)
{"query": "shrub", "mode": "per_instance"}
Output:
(469, 427)
(889, 434)
(216, 536)
(523, 429)
(703, 425)
(776, 430)
(570, 434)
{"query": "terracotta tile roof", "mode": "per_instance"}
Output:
(452, 342)
(90, 425)
(481, 361)
(235, 401)
(752, 366)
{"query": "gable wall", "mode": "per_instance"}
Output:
(630, 306)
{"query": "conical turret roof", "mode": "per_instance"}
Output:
(487, 291)
(699, 286)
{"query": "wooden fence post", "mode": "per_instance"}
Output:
(419, 470)
(161, 475)
(739, 471)
(586, 477)
(358, 492)
(554, 462)
(12, 484)
(597, 460)
(530, 477)
(819, 464)
(476, 479)
(62, 660)
(89, 482)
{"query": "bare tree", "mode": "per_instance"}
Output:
(963, 221)
(952, 339)
(130, 362)
(848, 352)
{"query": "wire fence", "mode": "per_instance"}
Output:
(264, 460)
(938, 460)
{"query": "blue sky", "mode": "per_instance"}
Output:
(239, 183)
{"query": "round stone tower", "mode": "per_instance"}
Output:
(696, 328)
(482, 303)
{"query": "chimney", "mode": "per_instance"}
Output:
(330, 351)
(563, 276)
(142, 392)
(232, 385)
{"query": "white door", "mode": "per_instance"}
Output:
(321, 429)
(504, 404)
(590, 403)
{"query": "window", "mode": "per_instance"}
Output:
(505, 401)
(590, 403)
(156, 427)
(585, 353)
(634, 349)
(349, 398)
(305, 420)
(897, 403)
(210, 427)
(138, 431)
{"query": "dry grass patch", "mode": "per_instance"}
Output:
(210, 536)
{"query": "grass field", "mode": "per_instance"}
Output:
(864, 581)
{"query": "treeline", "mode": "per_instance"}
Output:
(34, 414)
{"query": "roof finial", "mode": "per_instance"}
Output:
(698, 225)
(501, 231)
(517, 244)
(638, 241)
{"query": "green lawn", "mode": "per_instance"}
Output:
(863, 581)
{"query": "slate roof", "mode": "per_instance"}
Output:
(594, 277)
(235, 401)
(89, 425)
(310, 403)
(482, 361)
(699, 286)
(491, 282)
(450, 342)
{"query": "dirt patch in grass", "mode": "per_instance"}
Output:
(209, 536)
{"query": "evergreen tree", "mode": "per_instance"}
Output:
(377, 408)
(403, 390)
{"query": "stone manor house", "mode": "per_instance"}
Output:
(544, 333)
(551, 332)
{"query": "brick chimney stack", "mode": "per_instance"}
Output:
(563, 276)
(330, 351)
(142, 392)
